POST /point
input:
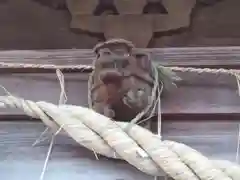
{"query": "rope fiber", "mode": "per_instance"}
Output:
(135, 144)
(138, 146)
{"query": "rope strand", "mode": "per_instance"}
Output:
(238, 144)
(62, 100)
(90, 67)
(177, 160)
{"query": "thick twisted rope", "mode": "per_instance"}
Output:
(176, 160)
(138, 146)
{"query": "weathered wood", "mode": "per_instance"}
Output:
(197, 94)
(138, 14)
(194, 56)
(188, 98)
(69, 160)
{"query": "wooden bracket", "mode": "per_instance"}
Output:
(130, 23)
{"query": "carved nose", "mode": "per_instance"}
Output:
(111, 77)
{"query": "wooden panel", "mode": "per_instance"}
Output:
(194, 56)
(196, 94)
(217, 21)
(193, 96)
(70, 161)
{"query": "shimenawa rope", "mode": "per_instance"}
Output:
(136, 145)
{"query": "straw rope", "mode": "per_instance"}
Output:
(138, 146)
(81, 67)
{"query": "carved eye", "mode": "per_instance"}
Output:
(106, 53)
(107, 64)
(121, 52)
(121, 63)
(143, 62)
(140, 60)
(125, 63)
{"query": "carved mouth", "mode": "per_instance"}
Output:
(111, 77)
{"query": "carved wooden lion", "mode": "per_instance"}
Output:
(122, 81)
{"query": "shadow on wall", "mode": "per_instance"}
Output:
(44, 24)
(26, 24)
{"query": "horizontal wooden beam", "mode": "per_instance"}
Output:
(197, 96)
(188, 99)
(182, 117)
(216, 57)
(216, 140)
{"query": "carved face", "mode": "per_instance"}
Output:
(143, 61)
(108, 94)
(120, 78)
(113, 61)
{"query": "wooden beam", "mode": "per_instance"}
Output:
(197, 95)
(224, 57)
(186, 99)
(216, 140)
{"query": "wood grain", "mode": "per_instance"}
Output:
(69, 160)
(190, 56)
(199, 95)
(188, 98)
(196, 93)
